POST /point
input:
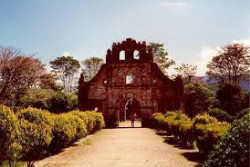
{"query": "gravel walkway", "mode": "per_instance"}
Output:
(123, 147)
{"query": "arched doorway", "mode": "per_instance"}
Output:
(130, 107)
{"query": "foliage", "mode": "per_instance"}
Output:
(63, 101)
(231, 64)
(159, 121)
(18, 73)
(36, 128)
(220, 115)
(243, 113)
(230, 96)
(161, 56)
(180, 126)
(233, 149)
(187, 72)
(66, 67)
(48, 81)
(38, 98)
(91, 67)
(10, 135)
(74, 125)
(54, 101)
(64, 131)
(33, 133)
(208, 131)
(197, 98)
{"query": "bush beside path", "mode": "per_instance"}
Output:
(121, 147)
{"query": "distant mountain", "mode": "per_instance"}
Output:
(244, 84)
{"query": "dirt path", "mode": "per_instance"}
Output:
(122, 147)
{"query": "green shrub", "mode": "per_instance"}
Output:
(61, 102)
(208, 131)
(64, 132)
(180, 126)
(10, 135)
(78, 123)
(243, 113)
(233, 149)
(54, 101)
(98, 119)
(159, 121)
(38, 98)
(220, 115)
(36, 127)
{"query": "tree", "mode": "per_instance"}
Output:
(18, 73)
(231, 97)
(161, 56)
(48, 81)
(91, 67)
(66, 67)
(187, 72)
(197, 98)
(231, 64)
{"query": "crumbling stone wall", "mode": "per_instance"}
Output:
(136, 76)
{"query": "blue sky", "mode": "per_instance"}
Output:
(190, 29)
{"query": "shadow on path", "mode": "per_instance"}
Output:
(191, 156)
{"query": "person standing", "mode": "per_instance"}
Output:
(133, 118)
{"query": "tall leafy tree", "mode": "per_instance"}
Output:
(187, 72)
(91, 67)
(18, 72)
(198, 98)
(231, 64)
(48, 81)
(66, 67)
(161, 56)
(231, 97)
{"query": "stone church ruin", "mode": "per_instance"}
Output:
(129, 82)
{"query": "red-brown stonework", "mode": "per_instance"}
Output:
(150, 90)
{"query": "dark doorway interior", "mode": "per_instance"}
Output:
(131, 106)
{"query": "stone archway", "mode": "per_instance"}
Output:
(126, 104)
(132, 106)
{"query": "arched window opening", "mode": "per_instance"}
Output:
(136, 55)
(129, 79)
(122, 55)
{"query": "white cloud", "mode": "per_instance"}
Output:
(66, 54)
(243, 41)
(206, 54)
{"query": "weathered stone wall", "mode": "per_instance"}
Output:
(109, 91)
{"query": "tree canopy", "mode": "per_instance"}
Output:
(187, 72)
(91, 67)
(161, 56)
(231, 64)
(66, 67)
(18, 72)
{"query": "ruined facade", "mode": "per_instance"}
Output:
(130, 78)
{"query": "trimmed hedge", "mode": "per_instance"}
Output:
(208, 131)
(36, 127)
(203, 129)
(33, 133)
(10, 135)
(220, 115)
(180, 125)
(233, 149)
(159, 121)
